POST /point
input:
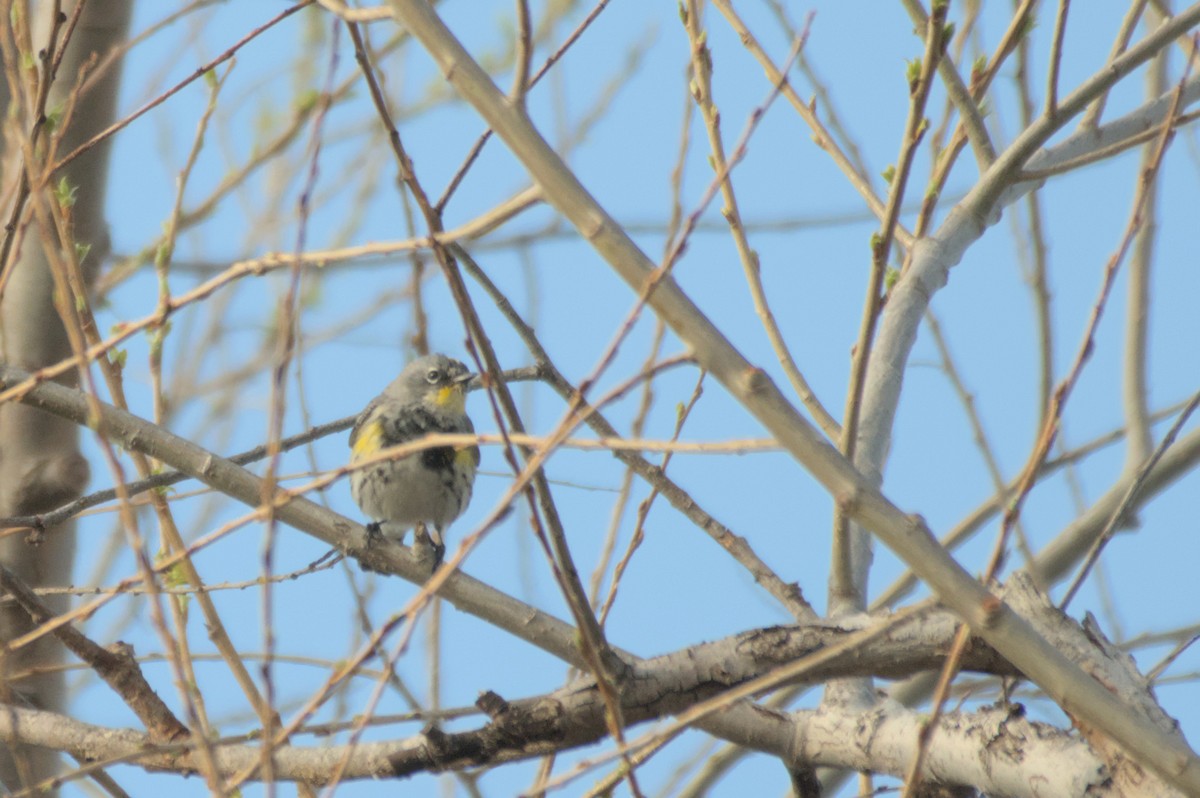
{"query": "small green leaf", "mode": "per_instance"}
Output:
(64, 193)
(53, 119)
(890, 278)
(175, 576)
(978, 68)
(912, 71)
(307, 100)
(889, 174)
(1027, 28)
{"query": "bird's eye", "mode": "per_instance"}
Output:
(433, 376)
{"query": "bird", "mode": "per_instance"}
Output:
(426, 490)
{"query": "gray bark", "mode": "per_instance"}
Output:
(40, 462)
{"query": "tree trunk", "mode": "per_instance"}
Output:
(40, 463)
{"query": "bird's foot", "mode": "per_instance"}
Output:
(428, 546)
(375, 536)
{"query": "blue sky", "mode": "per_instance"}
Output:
(680, 589)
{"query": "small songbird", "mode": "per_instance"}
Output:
(426, 490)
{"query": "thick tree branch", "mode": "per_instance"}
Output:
(574, 715)
(997, 749)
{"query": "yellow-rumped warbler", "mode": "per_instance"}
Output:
(431, 487)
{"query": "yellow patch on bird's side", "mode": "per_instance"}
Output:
(452, 398)
(468, 456)
(369, 440)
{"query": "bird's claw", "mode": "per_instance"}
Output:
(428, 547)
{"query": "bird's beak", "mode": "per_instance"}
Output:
(462, 382)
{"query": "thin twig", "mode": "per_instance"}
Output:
(1128, 25)
(1135, 388)
(1060, 30)
(1062, 392)
(1131, 495)
(788, 594)
(113, 129)
(751, 266)
(477, 147)
(822, 138)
